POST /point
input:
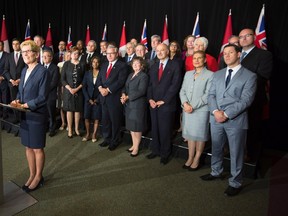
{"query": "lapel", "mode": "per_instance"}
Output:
(31, 75)
(113, 69)
(234, 78)
(165, 71)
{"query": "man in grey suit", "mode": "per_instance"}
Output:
(232, 92)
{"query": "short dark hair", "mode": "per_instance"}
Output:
(237, 48)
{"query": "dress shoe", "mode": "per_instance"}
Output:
(232, 191)
(129, 150)
(52, 133)
(164, 160)
(151, 156)
(185, 166)
(194, 168)
(112, 147)
(104, 144)
(40, 184)
(94, 140)
(209, 177)
(24, 187)
(134, 155)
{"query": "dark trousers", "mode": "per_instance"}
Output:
(51, 105)
(162, 123)
(4, 97)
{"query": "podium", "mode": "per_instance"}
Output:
(12, 198)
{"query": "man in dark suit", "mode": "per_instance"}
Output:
(231, 93)
(151, 56)
(59, 56)
(12, 72)
(90, 52)
(52, 97)
(164, 85)
(261, 63)
(39, 40)
(111, 80)
(4, 93)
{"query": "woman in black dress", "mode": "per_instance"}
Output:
(71, 78)
(92, 108)
(134, 99)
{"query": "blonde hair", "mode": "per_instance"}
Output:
(32, 44)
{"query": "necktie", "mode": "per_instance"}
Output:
(16, 58)
(228, 77)
(109, 71)
(61, 57)
(129, 58)
(160, 71)
(153, 54)
(243, 56)
(46, 66)
(88, 58)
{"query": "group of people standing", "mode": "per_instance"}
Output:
(109, 88)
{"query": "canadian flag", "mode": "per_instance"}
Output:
(87, 35)
(122, 44)
(104, 35)
(49, 42)
(227, 34)
(165, 37)
(4, 36)
(69, 41)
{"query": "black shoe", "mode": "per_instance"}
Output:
(52, 133)
(128, 150)
(194, 169)
(134, 155)
(164, 160)
(209, 177)
(231, 191)
(185, 167)
(112, 147)
(151, 156)
(104, 144)
(24, 187)
(40, 184)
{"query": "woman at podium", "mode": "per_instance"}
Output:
(33, 91)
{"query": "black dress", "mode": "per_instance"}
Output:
(72, 75)
(136, 106)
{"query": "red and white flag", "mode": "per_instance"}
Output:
(122, 44)
(27, 31)
(144, 36)
(4, 36)
(260, 32)
(48, 42)
(104, 35)
(69, 41)
(165, 37)
(196, 29)
(227, 34)
(87, 35)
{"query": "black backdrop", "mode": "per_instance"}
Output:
(181, 17)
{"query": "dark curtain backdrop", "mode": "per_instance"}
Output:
(181, 17)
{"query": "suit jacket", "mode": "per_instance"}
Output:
(136, 89)
(167, 88)
(3, 59)
(11, 70)
(36, 89)
(83, 60)
(196, 92)
(260, 62)
(115, 82)
(89, 89)
(56, 58)
(233, 100)
(55, 80)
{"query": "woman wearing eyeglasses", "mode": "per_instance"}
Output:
(33, 91)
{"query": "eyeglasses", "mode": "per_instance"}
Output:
(113, 53)
(245, 36)
(27, 51)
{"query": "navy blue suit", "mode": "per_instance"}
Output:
(34, 92)
(4, 93)
(112, 109)
(162, 118)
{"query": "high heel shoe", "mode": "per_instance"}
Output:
(40, 184)
(185, 166)
(129, 150)
(24, 187)
(134, 155)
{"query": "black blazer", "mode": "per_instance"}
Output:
(260, 62)
(115, 82)
(54, 81)
(2, 62)
(11, 70)
(89, 89)
(84, 58)
(168, 87)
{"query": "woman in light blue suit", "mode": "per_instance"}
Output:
(193, 96)
(33, 91)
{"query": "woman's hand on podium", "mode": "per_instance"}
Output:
(16, 103)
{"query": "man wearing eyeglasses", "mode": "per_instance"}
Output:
(260, 62)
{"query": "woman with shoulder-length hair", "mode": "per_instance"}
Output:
(33, 91)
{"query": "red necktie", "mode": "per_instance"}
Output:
(61, 57)
(109, 71)
(160, 72)
(16, 58)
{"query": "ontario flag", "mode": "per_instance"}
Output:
(49, 42)
(165, 37)
(260, 32)
(144, 36)
(27, 31)
(87, 39)
(227, 34)
(196, 29)
(122, 44)
(4, 36)
(69, 41)
(104, 35)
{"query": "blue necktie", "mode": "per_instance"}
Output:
(228, 77)
(243, 56)
(153, 54)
